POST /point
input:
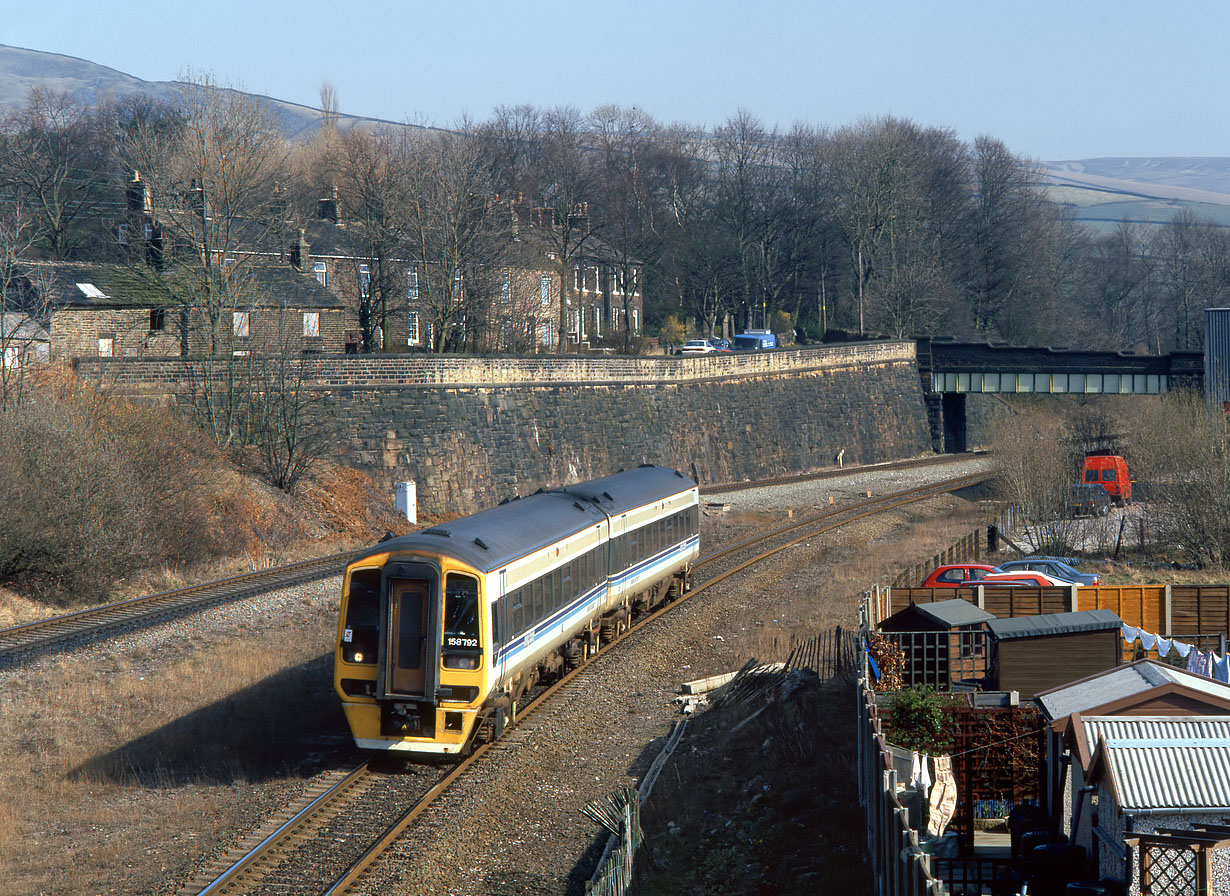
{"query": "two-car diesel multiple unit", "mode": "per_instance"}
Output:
(442, 631)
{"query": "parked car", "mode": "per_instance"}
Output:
(1111, 473)
(698, 347)
(754, 340)
(1088, 500)
(1053, 567)
(1023, 577)
(721, 345)
(957, 575)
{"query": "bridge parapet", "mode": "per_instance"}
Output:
(953, 367)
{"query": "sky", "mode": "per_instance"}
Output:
(1053, 80)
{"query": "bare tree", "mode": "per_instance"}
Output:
(1181, 449)
(55, 163)
(213, 188)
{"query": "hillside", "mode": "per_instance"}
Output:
(88, 82)
(1099, 191)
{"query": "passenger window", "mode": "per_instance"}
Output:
(1091, 475)
(1108, 475)
(462, 647)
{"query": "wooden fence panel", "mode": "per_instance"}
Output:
(1200, 609)
(1140, 606)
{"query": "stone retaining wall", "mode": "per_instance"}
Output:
(473, 431)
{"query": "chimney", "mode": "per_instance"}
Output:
(301, 252)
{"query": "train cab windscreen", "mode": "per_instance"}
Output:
(462, 648)
(361, 634)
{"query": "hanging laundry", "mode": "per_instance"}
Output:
(1182, 648)
(1129, 634)
(1148, 641)
(1221, 669)
(1163, 646)
(943, 802)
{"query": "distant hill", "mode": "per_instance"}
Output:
(1102, 192)
(87, 82)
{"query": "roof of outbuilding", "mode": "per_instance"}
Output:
(1158, 763)
(1053, 624)
(19, 327)
(1121, 682)
(954, 612)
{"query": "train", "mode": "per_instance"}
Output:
(443, 632)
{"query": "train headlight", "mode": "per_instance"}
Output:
(357, 656)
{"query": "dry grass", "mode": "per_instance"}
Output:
(116, 776)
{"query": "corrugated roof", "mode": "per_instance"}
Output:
(1054, 624)
(1165, 762)
(1123, 681)
(954, 612)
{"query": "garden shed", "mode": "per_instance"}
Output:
(1031, 654)
(944, 642)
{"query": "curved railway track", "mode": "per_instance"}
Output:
(23, 642)
(343, 830)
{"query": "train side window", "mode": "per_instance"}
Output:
(567, 577)
(361, 633)
(462, 647)
(517, 614)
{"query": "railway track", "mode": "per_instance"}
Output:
(343, 831)
(23, 642)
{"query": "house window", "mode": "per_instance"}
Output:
(412, 284)
(322, 272)
(106, 346)
(544, 286)
(311, 323)
(636, 321)
(506, 287)
(121, 234)
(239, 324)
(457, 285)
(157, 320)
(149, 231)
(544, 333)
(576, 278)
(412, 337)
(598, 321)
(365, 281)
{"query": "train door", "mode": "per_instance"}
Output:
(500, 630)
(412, 648)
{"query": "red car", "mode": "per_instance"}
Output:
(956, 575)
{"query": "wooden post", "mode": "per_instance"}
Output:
(1166, 608)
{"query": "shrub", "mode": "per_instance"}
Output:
(920, 721)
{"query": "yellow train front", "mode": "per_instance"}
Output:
(443, 631)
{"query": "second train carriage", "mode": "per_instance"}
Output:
(442, 631)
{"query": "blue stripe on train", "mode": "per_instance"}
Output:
(582, 605)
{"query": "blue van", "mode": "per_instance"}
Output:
(754, 341)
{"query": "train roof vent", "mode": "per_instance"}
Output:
(482, 544)
(443, 533)
(607, 495)
(578, 505)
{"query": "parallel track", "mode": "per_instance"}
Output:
(287, 860)
(23, 642)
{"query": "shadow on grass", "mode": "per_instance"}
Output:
(291, 722)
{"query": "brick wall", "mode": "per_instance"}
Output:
(472, 431)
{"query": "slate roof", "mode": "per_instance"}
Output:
(954, 612)
(1159, 763)
(18, 327)
(1124, 681)
(98, 285)
(1054, 624)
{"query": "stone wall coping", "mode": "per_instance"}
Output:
(384, 371)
